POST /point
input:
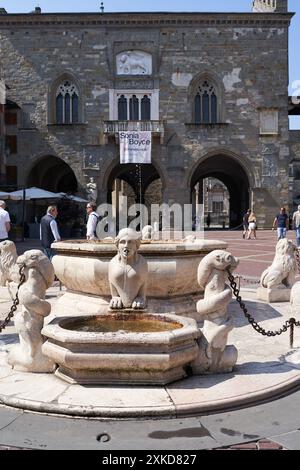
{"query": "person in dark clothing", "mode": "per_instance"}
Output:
(208, 220)
(281, 221)
(49, 231)
(246, 223)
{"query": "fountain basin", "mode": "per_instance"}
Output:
(172, 281)
(119, 355)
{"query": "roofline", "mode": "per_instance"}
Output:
(259, 14)
(145, 19)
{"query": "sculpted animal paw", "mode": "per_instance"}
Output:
(138, 303)
(116, 303)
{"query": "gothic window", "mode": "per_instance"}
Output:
(122, 108)
(206, 104)
(134, 107)
(67, 103)
(145, 108)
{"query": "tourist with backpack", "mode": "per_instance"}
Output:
(92, 221)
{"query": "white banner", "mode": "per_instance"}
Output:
(135, 147)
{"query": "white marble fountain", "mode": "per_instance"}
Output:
(130, 312)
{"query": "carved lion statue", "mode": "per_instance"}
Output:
(282, 272)
(295, 300)
(127, 272)
(39, 276)
(214, 354)
(8, 268)
(147, 233)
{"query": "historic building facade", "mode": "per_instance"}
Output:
(211, 87)
(2, 132)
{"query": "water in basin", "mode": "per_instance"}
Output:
(129, 323)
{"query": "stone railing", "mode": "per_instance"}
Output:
(114, 127)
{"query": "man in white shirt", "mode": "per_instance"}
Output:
(296, 222)
(93, 218)
(49, 231)
(4, 222)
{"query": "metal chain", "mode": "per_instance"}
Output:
(297, 254)
(291, 323)
(16, 301)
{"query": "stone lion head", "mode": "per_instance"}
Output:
(35, 259)
(8, 257)
(216, 260)
(285, 247)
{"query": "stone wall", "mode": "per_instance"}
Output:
(2, 131)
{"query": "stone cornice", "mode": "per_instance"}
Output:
(151, 20)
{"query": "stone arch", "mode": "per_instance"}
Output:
(51, 173)
(52, 88)
(232, 171)
(114, 166)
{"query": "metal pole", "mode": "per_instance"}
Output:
(23, 213)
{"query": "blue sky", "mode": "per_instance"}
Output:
(25, 6)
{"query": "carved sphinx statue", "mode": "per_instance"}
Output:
(39, 276)
(214, 354)
(127, 273)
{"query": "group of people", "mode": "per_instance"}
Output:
(281, 223)
(49, 232)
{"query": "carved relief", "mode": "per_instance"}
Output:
(270, 167)
(90, 162)
(134, 63)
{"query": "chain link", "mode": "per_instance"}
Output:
(291, 323)
(16, 301)
(298, 259)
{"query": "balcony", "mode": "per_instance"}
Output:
(112, 128)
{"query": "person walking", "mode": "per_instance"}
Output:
(246, 222)
(4, 222)
(49, 231)
(92, 221)
(208, 220)
(281, 222)
(296, 224)
(251, 226)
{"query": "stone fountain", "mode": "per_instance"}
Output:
(125, 340)
(132, 343)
